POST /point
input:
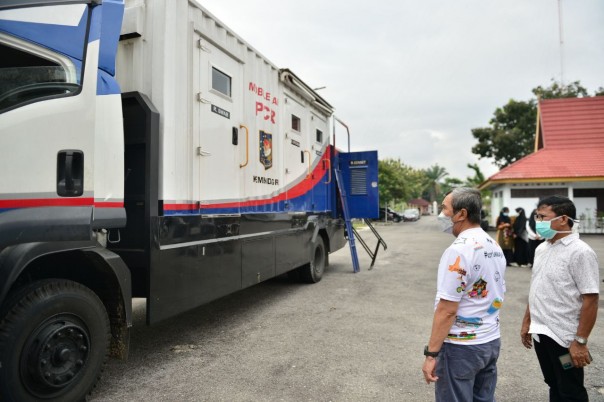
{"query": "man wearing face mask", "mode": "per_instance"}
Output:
(563, 300)
(461, 355)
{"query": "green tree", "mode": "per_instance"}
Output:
(434, 174)
(511, 134)
(398, 182)
(478, 177)
(555, 91)
(391, 184)
(448, 184)
(476, 180)
(416, 180)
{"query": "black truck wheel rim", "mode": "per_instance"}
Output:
(54, 355)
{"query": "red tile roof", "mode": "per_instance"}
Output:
(419, 201)
(572, 123)
(570, 145)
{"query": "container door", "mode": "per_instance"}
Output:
(297, 157)
(222, 142)
(322, 178)
(360, 177)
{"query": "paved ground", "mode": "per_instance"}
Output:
(351, 337)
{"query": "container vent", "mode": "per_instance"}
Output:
(358, 182)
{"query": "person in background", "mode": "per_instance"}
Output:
(505, 237)
(521, 238)
(484, 223)
(462, 352)
(534, 238)
(563, 301)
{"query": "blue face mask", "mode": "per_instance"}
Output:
(544, 229)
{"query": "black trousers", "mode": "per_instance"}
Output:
(564, 385)
(532, 245)
(521, 256)
(508, 253)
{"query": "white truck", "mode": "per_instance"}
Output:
(148, 151)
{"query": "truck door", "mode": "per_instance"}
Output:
(360, 181)
(47, 125)
(222, 145)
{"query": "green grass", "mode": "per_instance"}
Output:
(357, 224)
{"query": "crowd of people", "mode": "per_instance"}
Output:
(517, 236)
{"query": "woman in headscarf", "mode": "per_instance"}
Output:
(520, 238)
(534, 238)
(505, 235)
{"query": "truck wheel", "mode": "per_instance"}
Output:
(54, 341)
(313, 272)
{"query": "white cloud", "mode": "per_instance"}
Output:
(411, 79)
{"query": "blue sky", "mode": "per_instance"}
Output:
(410, 78)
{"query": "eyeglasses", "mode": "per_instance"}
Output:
(539, 217)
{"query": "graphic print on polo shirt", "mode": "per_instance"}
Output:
(479, 289)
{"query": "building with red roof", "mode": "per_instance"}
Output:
(421, 204)
(568, 160)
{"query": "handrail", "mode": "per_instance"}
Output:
(372, 254)
(347, 131)
(247, 146)
(328, 170)
(308, 152)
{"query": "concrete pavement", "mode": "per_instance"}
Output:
(351, 337)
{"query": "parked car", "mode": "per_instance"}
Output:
(392, 215)
(410, 215)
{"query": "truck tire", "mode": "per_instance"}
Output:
(54, 342)
(313, 272)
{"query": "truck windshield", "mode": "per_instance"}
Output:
(26, 76)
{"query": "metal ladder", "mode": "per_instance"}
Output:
(352, 232)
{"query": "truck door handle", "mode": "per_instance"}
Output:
(70, 173)
(327, 166)
(308, 174)
(247, 146)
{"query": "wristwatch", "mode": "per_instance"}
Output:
(580, 340)
(428, 353)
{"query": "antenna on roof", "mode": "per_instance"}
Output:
(560, 30)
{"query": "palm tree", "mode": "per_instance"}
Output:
(434, 174)
(476, 181)
(478, 176)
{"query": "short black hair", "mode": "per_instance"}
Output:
(560, 205)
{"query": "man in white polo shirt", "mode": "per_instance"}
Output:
(462, 353)
(563, 301)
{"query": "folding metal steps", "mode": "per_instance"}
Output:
(349, 229)
(352, 233)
